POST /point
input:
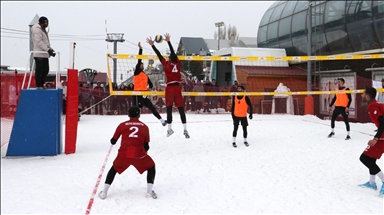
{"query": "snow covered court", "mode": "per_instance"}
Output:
(290, 167)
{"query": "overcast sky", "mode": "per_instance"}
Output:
(86, 23)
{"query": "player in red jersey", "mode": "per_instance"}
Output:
(375, 148)
(132, 151)
(173, 93)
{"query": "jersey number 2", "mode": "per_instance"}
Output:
(134, 133)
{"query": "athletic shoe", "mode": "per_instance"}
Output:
(102, 195)
(186, 134)
(348, 137)
(331, 134)
(369, 185)
(170, 132)
(164, 123)
(234, 144)
(381, 193)
(153, 195)
(246, 144)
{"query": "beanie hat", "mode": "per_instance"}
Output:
(43, 19)
(134, 111)
(242, 87)
(341, 79)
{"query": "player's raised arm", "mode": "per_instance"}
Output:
(168, 39)
(152, 44)
(137, 68)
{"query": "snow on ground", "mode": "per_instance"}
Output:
(290, 167)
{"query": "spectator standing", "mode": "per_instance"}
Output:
(41, 43)
(98, 95)
(86, 96)
(215, 100)
(199, 99)
(380, 95)
(130, 98)
(234, 86)
(207, 88)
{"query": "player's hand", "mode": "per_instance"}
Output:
(167, 37)
(330, 108)
(150, 41)
(372, 142)
(346, 109)
(139, 44)
(250, 116)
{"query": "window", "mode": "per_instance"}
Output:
(362, 35)
(318, 15)
(357, 10)
(338, 40)
(287, 45)
(265, 19)
(379, 24)
(262, 34)
(277, 13)
(378, 7)
(300, 6)
(274, 4)
(285, 28)
(334, 13)
(299, 21)
(300, 45)
(288, 10)
(272, 30)
(319, 44)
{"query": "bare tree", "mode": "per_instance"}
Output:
(232, 31)
(222, 33)
(226, 34)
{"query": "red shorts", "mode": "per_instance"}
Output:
(173, 95)
(375, 151)
(121, 163)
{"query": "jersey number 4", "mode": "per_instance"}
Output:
(175, 69)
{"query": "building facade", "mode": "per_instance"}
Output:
(333, 28)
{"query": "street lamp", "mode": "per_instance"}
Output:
(218, 25)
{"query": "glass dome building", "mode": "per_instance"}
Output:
(351, 26)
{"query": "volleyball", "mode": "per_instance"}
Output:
(159, 38)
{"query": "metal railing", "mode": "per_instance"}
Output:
(32, 70)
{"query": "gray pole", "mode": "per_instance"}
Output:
(218, 40)
(309, 46)
(115, 62)
(115, 37)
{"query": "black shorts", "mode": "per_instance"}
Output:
(146, 102)
(243, 120)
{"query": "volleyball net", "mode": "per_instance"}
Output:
(269, 80)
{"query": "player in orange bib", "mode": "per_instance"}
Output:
(342, 102)
(239, 109)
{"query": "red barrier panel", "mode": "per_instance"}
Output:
(72, 111)
(309, 106)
